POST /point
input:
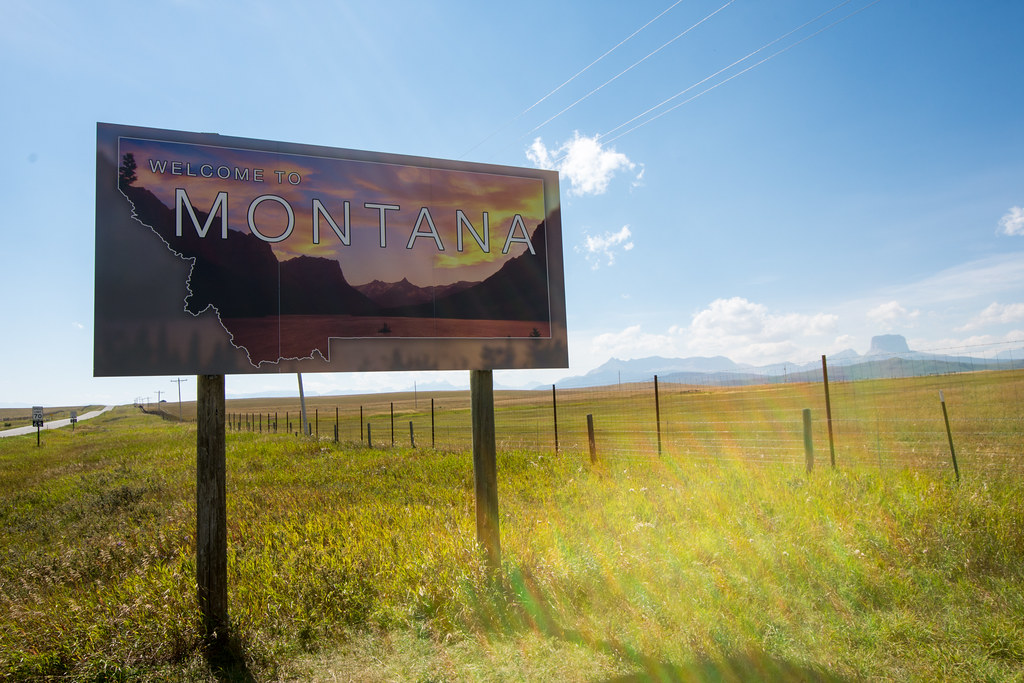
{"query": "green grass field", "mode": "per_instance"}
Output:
(719, 560)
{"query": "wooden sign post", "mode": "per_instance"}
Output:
(485, 465)
(211, 511)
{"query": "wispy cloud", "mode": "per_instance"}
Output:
(995, 314)
(603, 248)
(587, 164)
(891, 314)
(1013, 222)
(633, 342)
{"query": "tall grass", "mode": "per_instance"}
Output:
(362, 564)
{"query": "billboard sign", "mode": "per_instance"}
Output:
(219, 255)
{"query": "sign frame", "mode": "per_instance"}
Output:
(144, 281)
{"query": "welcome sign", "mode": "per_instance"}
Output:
(219, 255)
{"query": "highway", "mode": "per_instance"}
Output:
(56, 424)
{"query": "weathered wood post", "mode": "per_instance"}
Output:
(432, 442)
(657, 412)
(828, 412)
(949, 435)
(554, 414)
(211, 511)
(808, 442)
(590, 436)
(485, 465)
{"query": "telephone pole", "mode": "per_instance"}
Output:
(179, 381)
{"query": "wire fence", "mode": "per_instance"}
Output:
(884, 413)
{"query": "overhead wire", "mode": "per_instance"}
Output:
(740, 73)
(627, 69)
(726, 68)
(573, 77)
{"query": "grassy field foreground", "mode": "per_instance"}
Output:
(352, 564)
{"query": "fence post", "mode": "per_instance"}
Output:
(392, 424)
(828, 412)
(808, 443)
(949, 435)
(335, 424)
(412, 438)
(432, 442)
(657, 412)
(369, 438)
(554, 412)
(361, 423)
(590, 436)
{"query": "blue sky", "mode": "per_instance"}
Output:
(865, 179)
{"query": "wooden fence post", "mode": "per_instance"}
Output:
(554, 413)
(949, 435)
(412, 438)
(657, 412)
(808, 442)
(211, 511)
(432, 442)
(590, 436)
(828, 412)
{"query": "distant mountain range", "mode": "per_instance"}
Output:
(889, 356)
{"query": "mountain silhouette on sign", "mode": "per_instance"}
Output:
(518, 291)
(246, 279)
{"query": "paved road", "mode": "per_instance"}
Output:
(56, 424)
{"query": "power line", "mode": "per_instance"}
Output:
(573, 77)
(740, 73)
(629, 68)
(726, 68)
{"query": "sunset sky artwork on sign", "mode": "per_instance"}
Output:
(296, 249)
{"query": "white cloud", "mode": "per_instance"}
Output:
(891, 314)
(584, 161)
(995, 314)
(739, 329)
(600, 247)
(632, 342)
(1013, 222)
(750, 333)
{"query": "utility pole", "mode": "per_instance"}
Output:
(302, 404)
(158, 392)
(179, 381)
